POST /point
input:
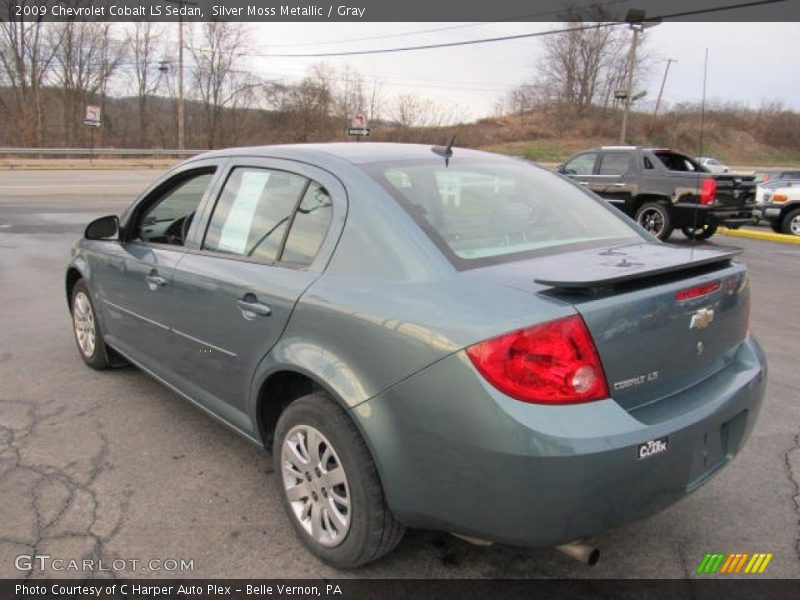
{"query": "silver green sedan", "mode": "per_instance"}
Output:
(427, 337)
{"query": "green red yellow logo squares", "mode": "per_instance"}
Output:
(718, 563)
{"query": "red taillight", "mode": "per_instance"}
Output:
(697, 291)
(551, 363)
(708, 190)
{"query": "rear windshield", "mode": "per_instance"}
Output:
(679, 162)
(483, 211)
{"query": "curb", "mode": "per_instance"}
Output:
(760, 235)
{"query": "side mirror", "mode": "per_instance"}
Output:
(560, 169)
(104, 228)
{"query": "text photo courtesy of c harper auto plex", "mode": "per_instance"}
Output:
(399, 300)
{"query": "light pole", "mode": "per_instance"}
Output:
(634, 18)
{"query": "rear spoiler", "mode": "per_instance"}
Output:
(607, 267)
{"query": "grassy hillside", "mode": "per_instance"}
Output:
(735, 136)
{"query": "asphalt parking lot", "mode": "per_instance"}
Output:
(112, 465)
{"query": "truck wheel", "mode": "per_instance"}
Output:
(791, 222)
(701, 233)
(655, 218)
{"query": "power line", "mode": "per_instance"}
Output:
(439, 45)
(504, 38)
(450, 27)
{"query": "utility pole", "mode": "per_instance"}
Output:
(629, 87)
(663, 83)
(181, 104)
(634, 18)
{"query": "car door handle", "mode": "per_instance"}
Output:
(155, 281)
(584, 182)
(250, 307)
(618, 185)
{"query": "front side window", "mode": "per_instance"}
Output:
(483, 211)
(167, 220)
(614, 163)
(583, 164)
(260, 211)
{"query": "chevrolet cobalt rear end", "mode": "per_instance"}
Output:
(430, 338)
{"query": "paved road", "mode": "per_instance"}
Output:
(114, 465)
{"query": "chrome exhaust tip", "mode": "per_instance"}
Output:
(582, 552)
(472, 540)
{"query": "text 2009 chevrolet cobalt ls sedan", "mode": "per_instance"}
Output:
(427, 337)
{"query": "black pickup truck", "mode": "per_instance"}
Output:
(663, 189)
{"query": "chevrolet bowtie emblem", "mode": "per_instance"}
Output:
(702, 318)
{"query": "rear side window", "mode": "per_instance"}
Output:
(485, 211)
(309, 226)
(260, 210)
(614, 163)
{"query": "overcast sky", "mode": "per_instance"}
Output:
(748, 62)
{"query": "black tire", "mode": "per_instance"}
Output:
(98, 356)
(776, 226)
(790, 224)
(656, 218)
(701, 233)
(373, 531)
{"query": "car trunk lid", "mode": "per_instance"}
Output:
(662, 318)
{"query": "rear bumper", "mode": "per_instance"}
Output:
(713, 214)
(456, 455)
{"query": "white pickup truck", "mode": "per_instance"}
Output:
(781, 207)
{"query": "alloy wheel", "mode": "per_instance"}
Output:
(652, 220)
(794, 225)
(316, 485)
(83, 320)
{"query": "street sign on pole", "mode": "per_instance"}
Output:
(359, 126)
(92, 118)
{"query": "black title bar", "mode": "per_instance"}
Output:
(393, 10)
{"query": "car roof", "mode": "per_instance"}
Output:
(356, 153)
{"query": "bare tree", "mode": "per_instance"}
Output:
(583, 67)
(520, 100)
(412, 111)
(375, 100)
(217, 84)
(145, 49)
(26, 55)
(350, 97)
(86, 57)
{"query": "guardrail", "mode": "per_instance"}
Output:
(95, 152)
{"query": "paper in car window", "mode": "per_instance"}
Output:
(236, 230)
